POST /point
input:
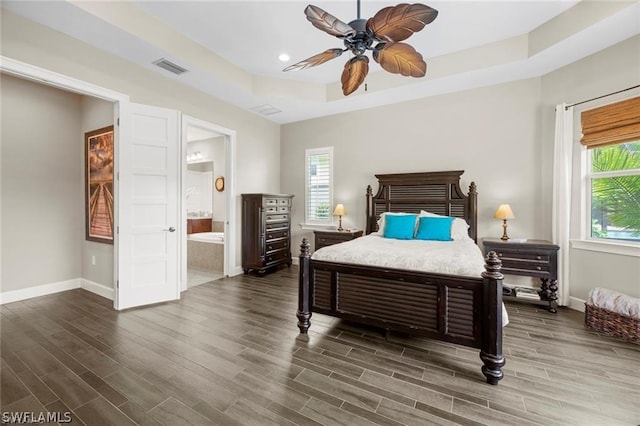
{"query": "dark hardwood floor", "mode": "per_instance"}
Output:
(229, 353)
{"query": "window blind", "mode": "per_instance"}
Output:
(611, 124)
(318, 187)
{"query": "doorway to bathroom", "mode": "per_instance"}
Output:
(207, 193)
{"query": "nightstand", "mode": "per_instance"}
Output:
(330, 237)
(533, 258)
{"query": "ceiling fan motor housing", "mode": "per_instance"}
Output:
(362, 40)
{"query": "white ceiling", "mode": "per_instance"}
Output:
(231, 48)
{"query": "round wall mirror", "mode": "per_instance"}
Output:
(219, 184)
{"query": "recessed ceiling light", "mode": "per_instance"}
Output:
(284, 57)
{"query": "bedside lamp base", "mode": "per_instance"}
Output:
(504, 237)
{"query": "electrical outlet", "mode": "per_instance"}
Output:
(93, 260)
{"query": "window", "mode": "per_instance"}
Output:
(319, 186)
(612, 137)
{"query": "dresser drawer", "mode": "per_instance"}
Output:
(277, 225)
(277, 245)
(276, 202)
(276, 256)
(279, 217)
(276, 209)
(275, 235)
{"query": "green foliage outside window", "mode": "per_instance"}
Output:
(615, 200)
(322, 211)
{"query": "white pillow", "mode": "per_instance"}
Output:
(381, 222)
(459, 227)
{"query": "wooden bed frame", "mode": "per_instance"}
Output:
(457, 309)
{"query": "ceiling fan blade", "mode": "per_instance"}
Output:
(318, 59)
(327, 22)
(397, 23)
(400, 58)
(355, 71)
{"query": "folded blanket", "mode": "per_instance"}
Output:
(615, 302)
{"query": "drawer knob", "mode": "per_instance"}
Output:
(538, 257)
(539, 268)
(270, 247)
(499, 254)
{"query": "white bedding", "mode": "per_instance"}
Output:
(445, 257)
(461, 257)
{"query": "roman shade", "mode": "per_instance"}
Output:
(611, 124)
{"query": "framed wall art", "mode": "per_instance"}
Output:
(99, 185)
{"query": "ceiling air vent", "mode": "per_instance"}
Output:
(170, 66)
(266, 109)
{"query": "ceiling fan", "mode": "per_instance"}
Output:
(386, 30)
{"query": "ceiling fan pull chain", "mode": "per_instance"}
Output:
(358, 9)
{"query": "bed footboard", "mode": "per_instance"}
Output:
(461, 310)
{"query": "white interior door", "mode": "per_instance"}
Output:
(148, 209)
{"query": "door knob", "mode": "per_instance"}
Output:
(171, 229)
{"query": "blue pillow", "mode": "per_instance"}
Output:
(400, 227)
(434, 228)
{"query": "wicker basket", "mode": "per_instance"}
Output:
(612, 323)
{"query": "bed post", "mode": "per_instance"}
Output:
(304, 293)
(473, 211)
(369, 225)
(491, 353)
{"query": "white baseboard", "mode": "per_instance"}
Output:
(38, 290)
(45, 289)
(295, 261)
(577, 304)
(237, 271)
(99, 289)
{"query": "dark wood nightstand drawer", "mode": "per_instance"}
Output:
(329, 238)
(523, 255)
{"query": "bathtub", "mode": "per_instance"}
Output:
(207, 237)
(205, 251)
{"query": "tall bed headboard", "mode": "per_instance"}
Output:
(435, 192)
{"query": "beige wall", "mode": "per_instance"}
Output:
(613, 69)
(258, 140)
(42, 215)
(491, 133)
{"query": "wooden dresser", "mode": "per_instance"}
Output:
(266, 231)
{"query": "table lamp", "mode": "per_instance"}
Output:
(504, 212)
(340, 211)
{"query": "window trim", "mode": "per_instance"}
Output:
(626, 248)
(315, 224)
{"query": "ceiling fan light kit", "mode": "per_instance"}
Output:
(387, 29)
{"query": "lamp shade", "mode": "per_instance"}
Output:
(340, 210)
(504, 212)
